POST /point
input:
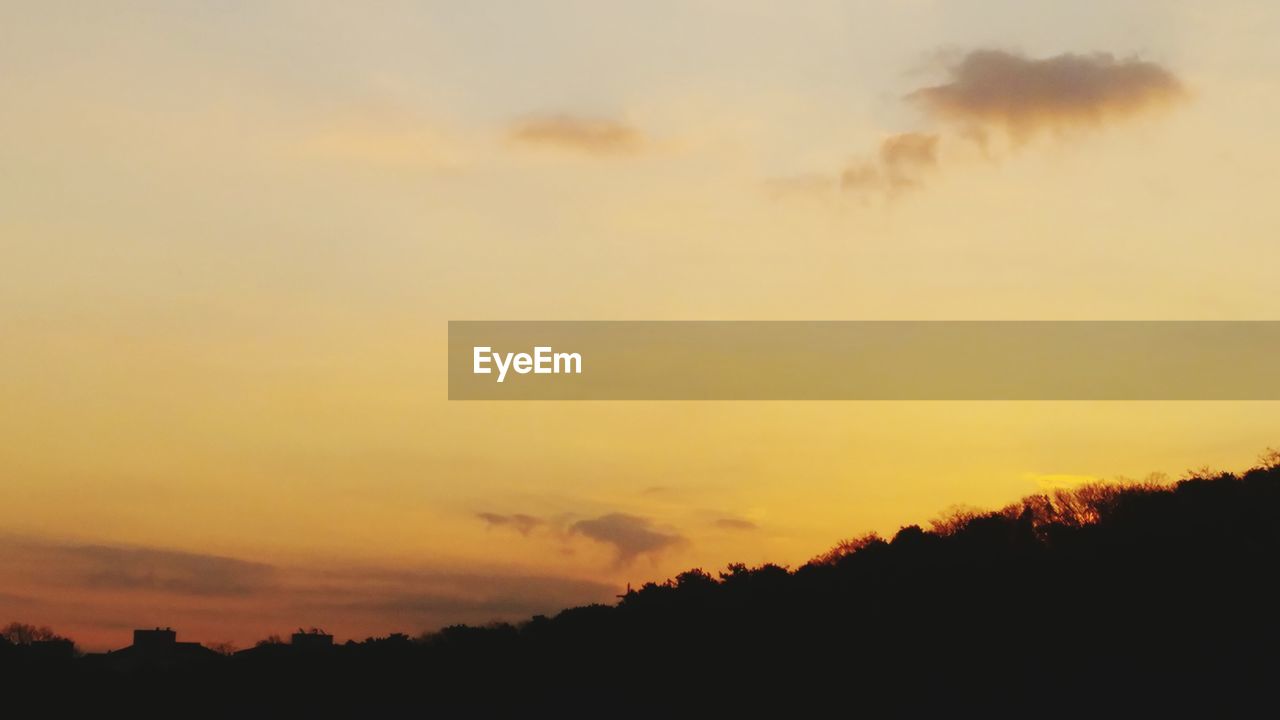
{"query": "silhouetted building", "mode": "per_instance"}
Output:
(158, 647)
(155, 641)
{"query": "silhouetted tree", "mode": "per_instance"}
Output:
(270, 640)
(23, 634)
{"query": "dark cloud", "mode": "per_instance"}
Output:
(1023, 95)
(521, 523)
(631, 536)
(732, 523)
(585, 135)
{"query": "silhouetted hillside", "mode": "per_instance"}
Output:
(1104, 600)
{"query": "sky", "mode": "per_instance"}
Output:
(232, 235)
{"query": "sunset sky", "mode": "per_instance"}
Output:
(232, 234)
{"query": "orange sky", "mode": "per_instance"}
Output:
(233, 236)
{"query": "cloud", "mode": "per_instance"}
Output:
(521, 523)
(900, 163)
(989, 93)
(631, 536)
(176, 572)
(1023, 95)
(905, 152)
(577, 134)
(139, 569)
(732, 523)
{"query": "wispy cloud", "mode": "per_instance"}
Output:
(901, 162)
(521, 523)
(577, 134)
(733, 523)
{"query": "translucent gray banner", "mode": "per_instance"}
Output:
(863, 360)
